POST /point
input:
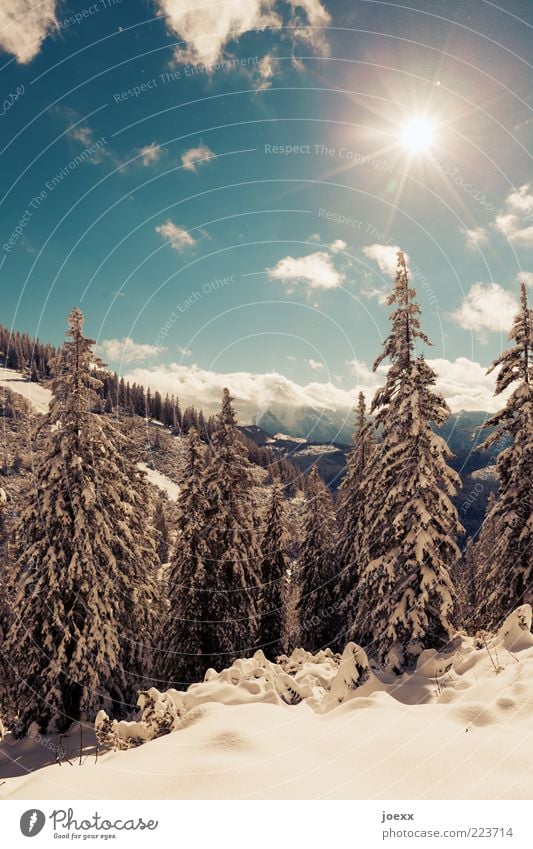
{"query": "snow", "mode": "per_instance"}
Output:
(37, 395)
(488, 473)
(317, 450)
(454, 728)
(161, 481)
(286, 438)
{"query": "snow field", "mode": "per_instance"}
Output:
(458, 727)
(37, 395)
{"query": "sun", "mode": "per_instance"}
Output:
(418, 135)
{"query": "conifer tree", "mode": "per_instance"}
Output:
(409, 529)
(350, 509)
(184, 640)
(508, 570)
(274, 571)
(85, 560)
(233, 563)
(318, 599)
(161, 529)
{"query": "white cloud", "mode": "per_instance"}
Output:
(266, 69)
(475, 237)
(364, 374)
(178, 237)
(335, 246)
(253, 391)
(195, 156)
(83, 134)
(209, 28)
(527, 277)
(516, 219)
(486, 307)
(370, 290)
(185, 352)
(316, 16)
(151, 153)
(385, 256)
(521, 200)
(315, 365)
(127, 351)
(338, 245)
(24, 24)
(315, 270)
(466, 385)
(463, 382)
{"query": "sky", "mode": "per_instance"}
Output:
(222, 187)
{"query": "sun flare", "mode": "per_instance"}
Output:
(418, 135)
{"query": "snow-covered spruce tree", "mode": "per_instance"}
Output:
(161, 529)
(183, 637)
(409, 528)
(233, 577)
(84, 581)
(274, 571)
(508, 571)
(318, 600)
(350, 509)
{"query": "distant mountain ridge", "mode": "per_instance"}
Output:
(308, 437)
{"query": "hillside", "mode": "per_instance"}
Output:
(463, 433)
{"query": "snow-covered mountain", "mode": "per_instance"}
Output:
(463, 432)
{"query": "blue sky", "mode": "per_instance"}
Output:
(222, 187)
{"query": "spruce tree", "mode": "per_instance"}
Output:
(233, 562)
(85, 560)
(161, 529)
(274, 571)
(409, 529)
(184, 639)
(350, 509)
(316, 574)
(508, 572)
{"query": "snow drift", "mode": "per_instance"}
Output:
(310, 726)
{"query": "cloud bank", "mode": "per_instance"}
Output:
(463, 382)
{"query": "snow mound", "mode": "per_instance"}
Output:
(353, 674)
(463, 677)
(321, 726)
(515, 633)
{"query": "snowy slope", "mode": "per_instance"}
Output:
(38, 396)
(161, 481)
(459, 727)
